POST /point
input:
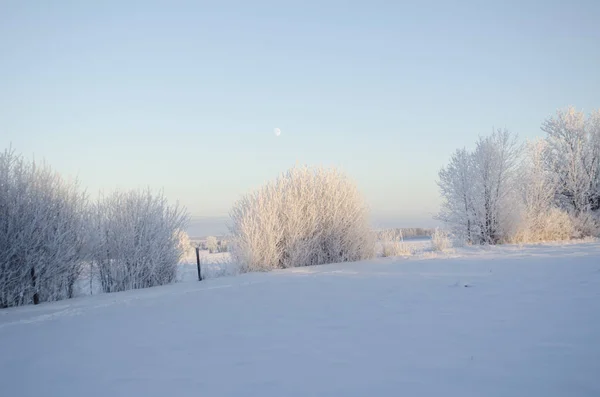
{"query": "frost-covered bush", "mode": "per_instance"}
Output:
(212, 244)
(307, 216)
(392, 243)
(137, 240)
(185, 244)
(440, 240)
(551, 225)
(42, 232)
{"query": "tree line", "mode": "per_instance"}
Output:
(50, 233)
(546, 189)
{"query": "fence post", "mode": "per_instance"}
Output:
(198, 263)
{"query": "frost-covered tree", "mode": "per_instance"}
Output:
(540, 220)
(494, 194)
(574, 148)
(42, 232)
(495, 162)
(538, 184)
(593, 129)
(477, 188)
(137, 240)
(307, 216)
(456, 187)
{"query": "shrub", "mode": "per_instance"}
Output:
(185, 245)
(137, 240)
(307, 216)
(42, 233)
(212, 244)
(440, 240)
(392, 243)
(551, 225)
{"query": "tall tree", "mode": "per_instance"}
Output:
(495, 162)
(574, 145)
(477, 188)
(455, 183)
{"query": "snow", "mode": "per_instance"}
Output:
(506, 321)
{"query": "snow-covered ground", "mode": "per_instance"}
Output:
(506, 321)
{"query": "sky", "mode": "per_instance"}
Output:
(185, 96)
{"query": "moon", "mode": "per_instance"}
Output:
(277, 131)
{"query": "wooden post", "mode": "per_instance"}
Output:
(198, 263)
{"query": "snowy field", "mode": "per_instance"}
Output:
(505, 321)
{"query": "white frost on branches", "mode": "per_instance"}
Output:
(50, 234)
(477, 189)
(574, 146)
(392, 243)
(440, 241)
(552, 192)
(307, 216)
(184, 243)
(456, 187)
(540, 219)
(42, 232)
(137, 240)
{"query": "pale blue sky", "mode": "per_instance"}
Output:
(185, 95)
